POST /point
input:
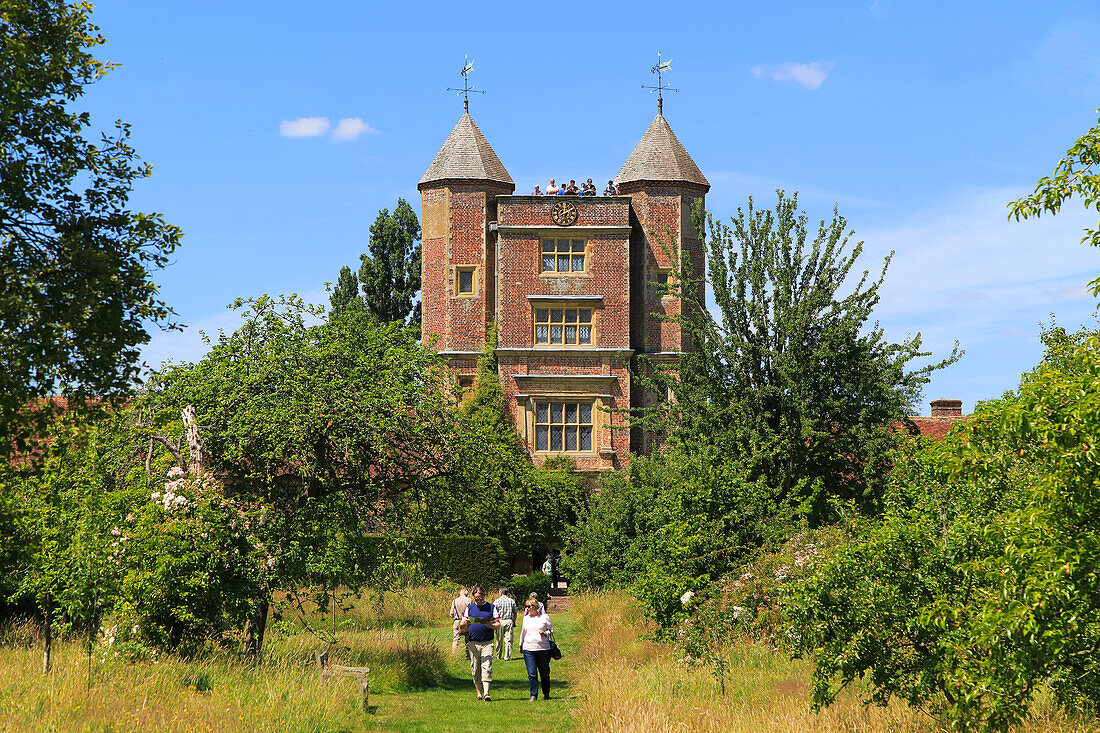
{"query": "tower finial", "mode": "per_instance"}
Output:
(659, 69)
(467, 68)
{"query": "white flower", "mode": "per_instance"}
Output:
(175, 472)
(738, 611)
(114, 531)
(156, 496)
(686, 598)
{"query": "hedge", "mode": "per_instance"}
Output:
(523, 585)
(465, 559)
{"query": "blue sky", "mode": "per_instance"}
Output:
(919, 120)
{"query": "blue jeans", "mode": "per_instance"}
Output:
(538, 664)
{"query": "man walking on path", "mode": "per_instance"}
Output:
(506, 607)
(458, 609)
(478, 621)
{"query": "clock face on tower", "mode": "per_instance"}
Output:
(563, 213)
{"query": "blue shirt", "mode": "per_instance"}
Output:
(479, 616)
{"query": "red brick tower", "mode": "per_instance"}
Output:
(458, 266)
(663, 183)
(568, 281)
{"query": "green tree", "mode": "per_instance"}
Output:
(76, 298)
(317, 432)
(65, 506)
(793, 379)
(978, 586)
(345, 293)
(1074, 175)
(390, 275)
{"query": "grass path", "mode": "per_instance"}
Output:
(454, 707)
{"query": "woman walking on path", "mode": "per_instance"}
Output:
(534, 641)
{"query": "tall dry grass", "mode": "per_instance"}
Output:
(628, 684)
(217, 691)
(412, 606)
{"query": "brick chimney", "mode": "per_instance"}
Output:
(947, 408)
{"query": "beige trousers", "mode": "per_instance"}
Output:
(503, 638)
(481, 665)
(459, 638)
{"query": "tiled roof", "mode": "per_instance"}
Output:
(466, 155)
(659, 156)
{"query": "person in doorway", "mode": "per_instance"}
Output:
(458, 608)
(534, 641)
(506, 607)
(479, 621)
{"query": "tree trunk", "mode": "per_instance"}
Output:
(254, 629)
(194, 441)
(47, 647)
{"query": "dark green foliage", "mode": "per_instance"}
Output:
(345, 293)
(467, 560)
(391, 274)
(524, 585)
(389, 277)
(76, 299)
(670, 523)
(978, 585)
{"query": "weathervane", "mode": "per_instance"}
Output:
(466, 88)
(660, 68)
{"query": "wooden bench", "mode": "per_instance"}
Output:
(328, 671)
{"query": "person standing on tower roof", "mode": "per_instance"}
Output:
(611, 190)
(552, 188)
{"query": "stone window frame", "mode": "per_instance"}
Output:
(459, 271)
(537, 309)
(561, 421)
(659, 283)
(571, 254)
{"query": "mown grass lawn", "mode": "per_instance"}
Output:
(453, 706)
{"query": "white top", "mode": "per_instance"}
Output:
(535, 634)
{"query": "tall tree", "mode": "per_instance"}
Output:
(76, 298)
(785, 404)
(792, 379)
(390, 275)
(345, 293)
(1074, 175)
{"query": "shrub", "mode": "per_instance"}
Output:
(525, 585)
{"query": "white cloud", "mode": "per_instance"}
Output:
(808, 76)
(963, 272)
(350, 128)
(304, 127)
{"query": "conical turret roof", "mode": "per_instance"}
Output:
(466, 155)
(659, 156)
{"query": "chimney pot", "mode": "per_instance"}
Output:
(947, 408)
